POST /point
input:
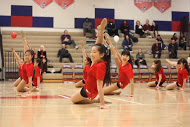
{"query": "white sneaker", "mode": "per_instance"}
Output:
(76, 47)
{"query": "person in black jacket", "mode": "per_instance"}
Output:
(182, 41)
(156, 49)
(111, 28)
(139, 29)
(172, 48)
(42, 53)
(64, 53)
(125, 29)
(154, 29)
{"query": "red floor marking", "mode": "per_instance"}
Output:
(38, 97)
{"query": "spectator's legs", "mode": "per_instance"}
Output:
(137, 62)
(144, 62)
(130, 48)
(156, 33)
(93, 33)
(60, 58)
(159, 55)
(84, 31)
(68, 55)
(110, 32)
(64, 42)
(116, 32)
(72, 42)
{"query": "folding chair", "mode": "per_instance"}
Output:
(167, 73)
(67, 72)
(114, 73)
(174, 73)
(144, 71)
(136, 73)
(78, 71)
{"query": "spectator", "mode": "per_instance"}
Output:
(66, 39)
(139, 29)
(154, 29)
(64, 53)
(44, 65)
(127, 43)
(172, 48)
(147, 28)
(174, 37)
(156, 49)
(87, 27)
(125, 28)
(42, 52)
(111, 28)
(182, 41)
(140, 58)
(159, 39)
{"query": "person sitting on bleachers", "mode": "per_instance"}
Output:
(140, 58)
(111, 28)
(147, 28)
(172, 48)
(154, 29)
(156, 49)
(66, 39)
(182, 41)
(64, 53)
(125, 29)
(139, 28)
(41, 53)
(174, 37)
(127, 43)
(87, 27)
(159, 39)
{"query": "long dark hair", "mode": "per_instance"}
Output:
(185, 63)
(158, 65)
(128, 54)
(38, 60)
(107, 57)
(89, 60)
(32, 53)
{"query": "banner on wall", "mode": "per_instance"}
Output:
(43, 3)
(64, 3)
(143, 5)
(162, 5)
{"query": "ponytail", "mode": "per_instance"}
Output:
(158, 65)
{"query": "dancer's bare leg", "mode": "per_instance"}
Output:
(100, 28)
(17, 82)
(151, 84)
(171, 86)
(110, 90)
(79, 84)
(22, 87)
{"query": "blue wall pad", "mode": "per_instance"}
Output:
(42, 21)
(177, 16)
(21, 10)
(79, 22)
(164, 25)
(104, 13)
(5, 20)
(119, 22)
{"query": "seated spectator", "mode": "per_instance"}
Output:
(156, 49)
(127, 43)
(111, 28)
(64, 53)
(147, 28)
(66, 39)
(139, 29)
(44, 65)
(41, 53)
(87, 27)
(159, 39)
(172, 48)
(154, 29)
(125, 28)
(140, 58)
(174, 37)
(182, 41)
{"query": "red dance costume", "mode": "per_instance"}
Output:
(20, 71)
(96, 72)
(161, 71)
(181, 75)
(85, 71)
(37, 74)
(27, 71)
(125, 74)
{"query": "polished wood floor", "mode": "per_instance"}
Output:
(52, 108)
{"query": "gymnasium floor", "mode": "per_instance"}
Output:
(52, 108)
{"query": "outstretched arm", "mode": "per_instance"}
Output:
(100, 28)
(16, 57)
(172, 63)
(83, 51)
(26, 46)
(113, 51)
